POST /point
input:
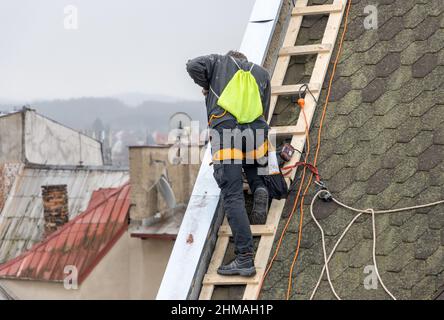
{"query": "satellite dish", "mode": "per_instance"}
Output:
(179, 120)
(167, 192)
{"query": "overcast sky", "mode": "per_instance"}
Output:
(120, 45)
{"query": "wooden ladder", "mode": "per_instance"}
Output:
(267, 232)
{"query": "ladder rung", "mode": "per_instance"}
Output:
(316, 10)
(256, 230)
(304, 50)
(216, 279)
(286, 131)
(292, 89)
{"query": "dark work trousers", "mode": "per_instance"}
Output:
(230, 180)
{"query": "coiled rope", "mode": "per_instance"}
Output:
(347, 228)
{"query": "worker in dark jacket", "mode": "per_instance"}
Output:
(237, 99)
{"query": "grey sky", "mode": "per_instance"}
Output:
(120, 45)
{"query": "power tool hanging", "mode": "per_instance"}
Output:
(288, 150)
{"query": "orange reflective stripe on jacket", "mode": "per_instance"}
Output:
(228, 154)
(236, 154)
(213, 116)
(259, 152)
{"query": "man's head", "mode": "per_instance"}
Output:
(237, 55)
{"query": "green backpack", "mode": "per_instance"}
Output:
(241, 96)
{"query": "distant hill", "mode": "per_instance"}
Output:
(113, 122)
(80, 113)
(134, 99)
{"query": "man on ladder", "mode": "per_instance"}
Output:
(237, 99)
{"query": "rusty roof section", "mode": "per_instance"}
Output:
(21, 220)
(81, 243)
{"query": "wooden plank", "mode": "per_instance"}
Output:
(207, 255)
(277, 206)
(305, 50)
(282, 62)
(217, 280)
(265, 245)
(286, 131)
(316, 10)
(218, 256)
(318, 76)
(256, 230)
(206, 292)
(293, 89)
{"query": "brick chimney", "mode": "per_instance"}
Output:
(55, 207)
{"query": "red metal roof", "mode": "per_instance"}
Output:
(82, 242)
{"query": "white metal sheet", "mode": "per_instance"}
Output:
(265, 10)
(205, 184)
(259, 30)
(197, 221)
(188, 247)
(254, 44)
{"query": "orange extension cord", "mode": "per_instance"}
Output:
(304, 171)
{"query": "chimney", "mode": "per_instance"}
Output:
(55, 207)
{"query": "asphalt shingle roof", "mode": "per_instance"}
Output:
(382, 148)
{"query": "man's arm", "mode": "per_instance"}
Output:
(201, 69)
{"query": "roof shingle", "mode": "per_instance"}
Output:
(394, 159)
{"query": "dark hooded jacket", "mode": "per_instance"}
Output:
(216, 71)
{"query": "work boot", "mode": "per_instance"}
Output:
(243, 265)
(260, 206)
